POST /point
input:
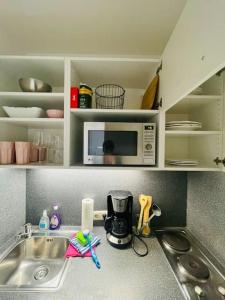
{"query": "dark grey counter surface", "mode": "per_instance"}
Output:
(123, 276)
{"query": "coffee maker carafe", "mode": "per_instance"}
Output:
(118, 223)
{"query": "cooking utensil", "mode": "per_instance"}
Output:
(143, 200)
(34, 85)
(146, 229)
(156, 212)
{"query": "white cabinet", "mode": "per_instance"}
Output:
(195, 50)
(205, 144)
(134, 74)
(194, 53)
(48, 69)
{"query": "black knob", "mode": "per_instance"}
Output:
(219, 161)
(223, 162)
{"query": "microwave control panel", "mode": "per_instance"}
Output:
(149, 134)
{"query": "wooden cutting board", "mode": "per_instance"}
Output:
(150, 94)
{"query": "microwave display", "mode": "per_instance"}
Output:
(101, 142)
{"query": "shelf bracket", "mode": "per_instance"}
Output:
(220, 71)
(218, 161)
(159, 69)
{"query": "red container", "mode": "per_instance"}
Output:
(74, 97)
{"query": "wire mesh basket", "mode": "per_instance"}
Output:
(110, 96)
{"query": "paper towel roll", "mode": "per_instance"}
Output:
(87, 214)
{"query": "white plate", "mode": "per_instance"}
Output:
(184, 127)
(182, 122)
(185, 162)
(24, 112)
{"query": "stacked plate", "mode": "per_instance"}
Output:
(182, 162)
(183, 125)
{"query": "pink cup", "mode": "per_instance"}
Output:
(7, 153)
(34, 154)
(23, 151)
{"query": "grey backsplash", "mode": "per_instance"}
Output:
(69, 187)
(206, 210)
(12, 202)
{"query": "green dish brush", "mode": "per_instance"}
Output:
(82, 239)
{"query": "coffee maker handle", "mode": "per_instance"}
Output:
(108, 224)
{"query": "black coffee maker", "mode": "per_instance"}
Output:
(118, 223)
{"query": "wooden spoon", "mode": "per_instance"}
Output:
(146, 230)
(143, 200)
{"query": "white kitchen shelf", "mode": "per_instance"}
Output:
(34, 122)
(43, 100)
(32, 166)
(132, 115)
(190, 169)
(47, 69)
(127, 168)
(190, 133)
(192, 102)
(134, 73)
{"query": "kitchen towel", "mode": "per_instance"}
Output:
(73, 252)
(84, 249)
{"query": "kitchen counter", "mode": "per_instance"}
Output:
(123, 276)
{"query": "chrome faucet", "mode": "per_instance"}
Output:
(27, 232)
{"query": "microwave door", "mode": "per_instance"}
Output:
(114, 144)
(127, 141)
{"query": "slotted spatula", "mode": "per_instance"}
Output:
(143, 200)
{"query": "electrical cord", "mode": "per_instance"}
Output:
(137, 236)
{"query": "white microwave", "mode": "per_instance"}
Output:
(117, 143)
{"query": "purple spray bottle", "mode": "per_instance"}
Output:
(55, 218)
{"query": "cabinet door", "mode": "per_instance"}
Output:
(223, 150)
(195, 51)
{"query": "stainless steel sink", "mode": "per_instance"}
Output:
(35, 263)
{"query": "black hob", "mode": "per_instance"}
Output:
(198, 273)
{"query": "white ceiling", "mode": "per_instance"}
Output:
(108, 27)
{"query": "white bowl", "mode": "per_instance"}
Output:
(24, 112)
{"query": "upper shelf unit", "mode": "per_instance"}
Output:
(44, 100)
(133, 74)
(47, 69)
(204, 105)
(113, 115)
(128, 72)
(204, 108)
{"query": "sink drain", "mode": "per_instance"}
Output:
(41, 272)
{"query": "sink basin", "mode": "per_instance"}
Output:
(35, 263)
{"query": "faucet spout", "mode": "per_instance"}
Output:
(27, 233)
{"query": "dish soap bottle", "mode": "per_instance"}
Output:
(55, 219)
(44, 221)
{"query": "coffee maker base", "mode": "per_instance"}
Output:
(119, 243)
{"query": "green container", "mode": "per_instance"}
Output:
(85, 98)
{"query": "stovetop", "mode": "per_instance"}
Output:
(198, 274)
